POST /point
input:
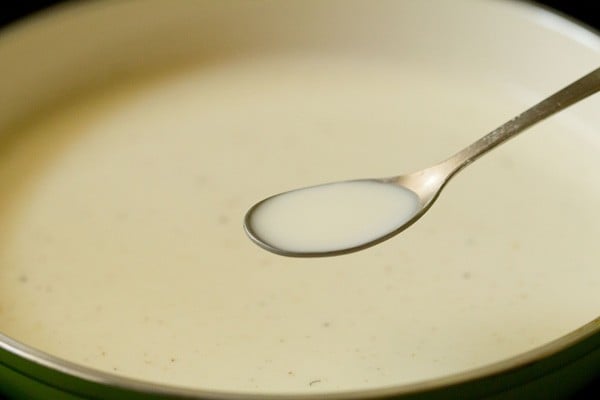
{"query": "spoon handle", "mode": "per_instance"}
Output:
(578, 90)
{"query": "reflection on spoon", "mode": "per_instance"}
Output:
(343, 217)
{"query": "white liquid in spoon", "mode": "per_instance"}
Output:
(331, 217)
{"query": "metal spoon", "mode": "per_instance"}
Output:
(426, 184)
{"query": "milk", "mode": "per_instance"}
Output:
(122, 247)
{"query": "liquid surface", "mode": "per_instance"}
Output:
(121, 245)
(331, 217)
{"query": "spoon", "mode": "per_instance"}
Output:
(343, 217)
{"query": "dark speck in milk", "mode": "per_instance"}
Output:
(121, 216)
(506, 162)
(44, 237)
(200, 180)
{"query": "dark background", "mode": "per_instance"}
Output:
(581, 10)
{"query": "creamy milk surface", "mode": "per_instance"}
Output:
(331, 217)
(122, 247)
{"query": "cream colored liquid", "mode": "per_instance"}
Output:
(122, 248)
(333, 216)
